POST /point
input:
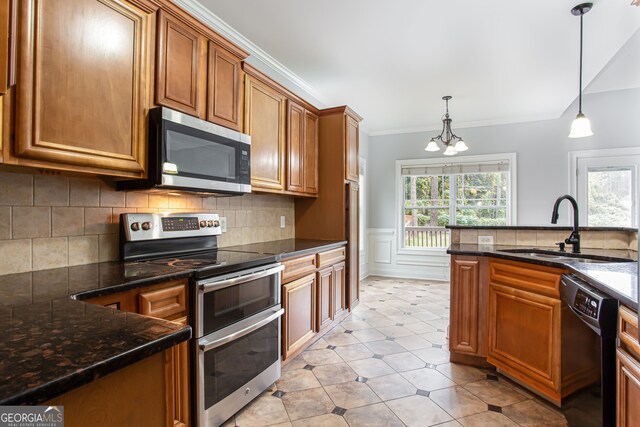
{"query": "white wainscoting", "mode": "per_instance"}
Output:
(383, 258)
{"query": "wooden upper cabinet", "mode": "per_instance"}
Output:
(265, 118)
(295, 147)
(311, 153)
(351, 149)
(302, 150)
(223, 88)
(180, 65)
(8, 28)
(83, 87)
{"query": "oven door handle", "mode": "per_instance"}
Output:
(206, 345)
(208, 286)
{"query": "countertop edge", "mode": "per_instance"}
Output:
(62, 385)
(550, 263)
(332, 245)
(134, 284)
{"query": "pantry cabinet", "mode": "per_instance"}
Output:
(164, 301)
(84, 85)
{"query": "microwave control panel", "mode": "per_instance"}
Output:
(245, 164)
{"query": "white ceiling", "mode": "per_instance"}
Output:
(503, 61)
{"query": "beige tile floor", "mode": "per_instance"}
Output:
(387, 364)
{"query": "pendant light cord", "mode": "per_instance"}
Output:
(580, 80)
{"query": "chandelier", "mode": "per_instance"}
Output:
(452, 142)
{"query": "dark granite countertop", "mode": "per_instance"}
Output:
(54, 342)
(618, 279)
(289, 247)
(536, 227)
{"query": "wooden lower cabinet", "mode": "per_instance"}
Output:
(468, 323)
(524, 337)
(299, 319)
(339, 290)
(628, 370)
(164, 301)
(132, 396)
(325, 298)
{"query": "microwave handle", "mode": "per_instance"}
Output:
(212, 285)
(208, 345)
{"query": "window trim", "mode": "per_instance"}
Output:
(399, 199)
(574, 156)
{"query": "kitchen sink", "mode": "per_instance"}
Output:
(563, 256)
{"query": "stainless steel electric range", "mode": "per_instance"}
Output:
(236, 307)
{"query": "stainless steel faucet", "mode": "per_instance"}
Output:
(574, 238)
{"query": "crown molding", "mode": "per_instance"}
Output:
(217, 24)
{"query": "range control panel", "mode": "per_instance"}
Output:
(150, 226)
(586, 304)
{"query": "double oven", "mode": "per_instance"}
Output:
(237, 340)
(236, 307)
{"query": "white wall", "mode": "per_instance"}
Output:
(542, 166)
(542, 153)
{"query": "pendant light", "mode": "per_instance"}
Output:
(452, 142)
(581, 126)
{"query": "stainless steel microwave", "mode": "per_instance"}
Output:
(189, 154)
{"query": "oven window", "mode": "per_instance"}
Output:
(197, 156)
(228, 305)
(231, 366)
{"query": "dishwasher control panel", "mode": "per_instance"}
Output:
(586, 304)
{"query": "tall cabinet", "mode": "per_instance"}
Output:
(334, 214)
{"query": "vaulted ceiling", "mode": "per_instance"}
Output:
(503, 61)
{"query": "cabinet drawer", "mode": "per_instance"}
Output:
(628, 331)
(330, 257)
(298, 267)
(528, 277)
(165, 302)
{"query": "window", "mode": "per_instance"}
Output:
(466, 192)
(606, 186)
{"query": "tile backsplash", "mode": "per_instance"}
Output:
(52, 221)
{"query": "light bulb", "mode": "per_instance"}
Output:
(432, 146)
(461, 146)
(580, 127)
(450, 151)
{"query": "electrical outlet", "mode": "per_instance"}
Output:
(223, 224)
(282, 222)
(485, 240)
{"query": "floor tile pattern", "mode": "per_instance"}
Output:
(387, 364)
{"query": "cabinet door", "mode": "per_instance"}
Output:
(628, 394)
(180, 71)
(524, 337)
(353, 257)
(325, 281)
(177, 376)
(223, 88)
(310, 153)
(465, 305)
(296, 142)
(82, 91)
(351, 148)
(299, 319)
(339, 283)
(8, 32)
(265, 114)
